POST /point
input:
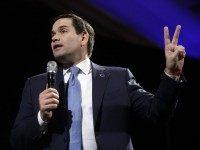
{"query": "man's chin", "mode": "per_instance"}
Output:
(63, 59)
(60, 58)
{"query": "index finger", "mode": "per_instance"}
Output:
(52, 90)
(176, 35)
(166, 36)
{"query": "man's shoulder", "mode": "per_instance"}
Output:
(109, 68)
(41, 76)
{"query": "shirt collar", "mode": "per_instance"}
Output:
(84, 66)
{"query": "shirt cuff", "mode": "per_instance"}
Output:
(43, 124)
(40, 121)
(176, 78)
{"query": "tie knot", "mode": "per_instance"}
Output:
(74, 70)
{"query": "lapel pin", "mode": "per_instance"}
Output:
(102, 75)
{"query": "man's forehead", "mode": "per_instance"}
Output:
(62, 22)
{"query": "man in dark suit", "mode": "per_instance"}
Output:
(111, 100)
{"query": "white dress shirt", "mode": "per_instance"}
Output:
(85, 79)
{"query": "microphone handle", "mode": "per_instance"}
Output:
(51, 79)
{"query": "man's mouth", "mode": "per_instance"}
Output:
(57, 46)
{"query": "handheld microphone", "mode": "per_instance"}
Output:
(51, 73)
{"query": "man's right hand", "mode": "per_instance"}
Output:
(48, 101)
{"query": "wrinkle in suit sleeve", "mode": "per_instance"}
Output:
(140, 99)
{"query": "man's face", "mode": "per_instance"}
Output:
(65, 44)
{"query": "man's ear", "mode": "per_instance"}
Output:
(85, 38)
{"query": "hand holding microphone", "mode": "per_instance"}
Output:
(49, 98)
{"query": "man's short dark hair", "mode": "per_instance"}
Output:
(81, 26)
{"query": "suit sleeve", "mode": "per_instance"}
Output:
(26, 130)
(154, 107)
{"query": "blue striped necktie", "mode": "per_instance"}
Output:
(74, 105)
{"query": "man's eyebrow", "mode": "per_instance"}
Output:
(63, 26)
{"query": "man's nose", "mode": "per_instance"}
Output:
(55, 38)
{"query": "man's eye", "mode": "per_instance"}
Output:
(63, 30)
(52, 34)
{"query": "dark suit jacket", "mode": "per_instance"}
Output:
(119, 102)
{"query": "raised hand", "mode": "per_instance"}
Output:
(174, 53)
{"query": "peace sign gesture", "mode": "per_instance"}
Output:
(174, 53)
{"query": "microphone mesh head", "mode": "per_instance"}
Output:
(52, 67)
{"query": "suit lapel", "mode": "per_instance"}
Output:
(99, 82)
